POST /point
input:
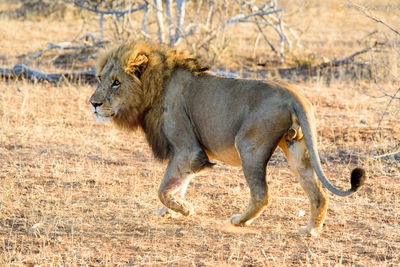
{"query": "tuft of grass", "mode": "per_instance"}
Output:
(302, 60)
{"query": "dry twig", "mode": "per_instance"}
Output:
(374, 18)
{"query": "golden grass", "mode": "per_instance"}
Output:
(75, 192)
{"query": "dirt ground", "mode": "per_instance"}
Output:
(76, 192)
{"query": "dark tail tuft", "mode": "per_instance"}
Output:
(358, 177)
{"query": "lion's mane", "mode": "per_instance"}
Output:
(162, 61)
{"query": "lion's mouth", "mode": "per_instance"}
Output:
(100, 117)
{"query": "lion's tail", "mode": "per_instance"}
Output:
(358, 175)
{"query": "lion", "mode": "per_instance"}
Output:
(190, 116)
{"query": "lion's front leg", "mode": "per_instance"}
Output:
(171, 194)
(175, 182)
(180, 194)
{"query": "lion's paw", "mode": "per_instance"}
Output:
(310, 231)
(187, 209)
(236, 220)
(165, 212)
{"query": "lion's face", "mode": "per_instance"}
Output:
(118, 92)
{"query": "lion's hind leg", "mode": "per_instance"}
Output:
(254, 157)
(259, 195)
(296, 152)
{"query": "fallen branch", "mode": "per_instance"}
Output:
(352, 70)
(20, 71)
(346, 60)
(23, 71)
(329, 70)
(312, 71)
(387, 154)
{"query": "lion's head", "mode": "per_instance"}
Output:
(119, 94)
(131, 81)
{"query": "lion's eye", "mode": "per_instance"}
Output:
(99, 77)
(115, 84)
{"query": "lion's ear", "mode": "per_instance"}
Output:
(136, 65)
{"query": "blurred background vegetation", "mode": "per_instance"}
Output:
(231, 35)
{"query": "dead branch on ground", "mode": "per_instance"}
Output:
(23, 71)
(20, 71)
(329, 69)
(346, 60)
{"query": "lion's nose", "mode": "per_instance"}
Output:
(96, 104)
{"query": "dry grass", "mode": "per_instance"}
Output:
(75, 192)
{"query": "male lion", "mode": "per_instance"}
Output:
(189, 116)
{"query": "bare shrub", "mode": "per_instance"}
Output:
(202, 26)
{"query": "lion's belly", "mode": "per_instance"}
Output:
(229, 156)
